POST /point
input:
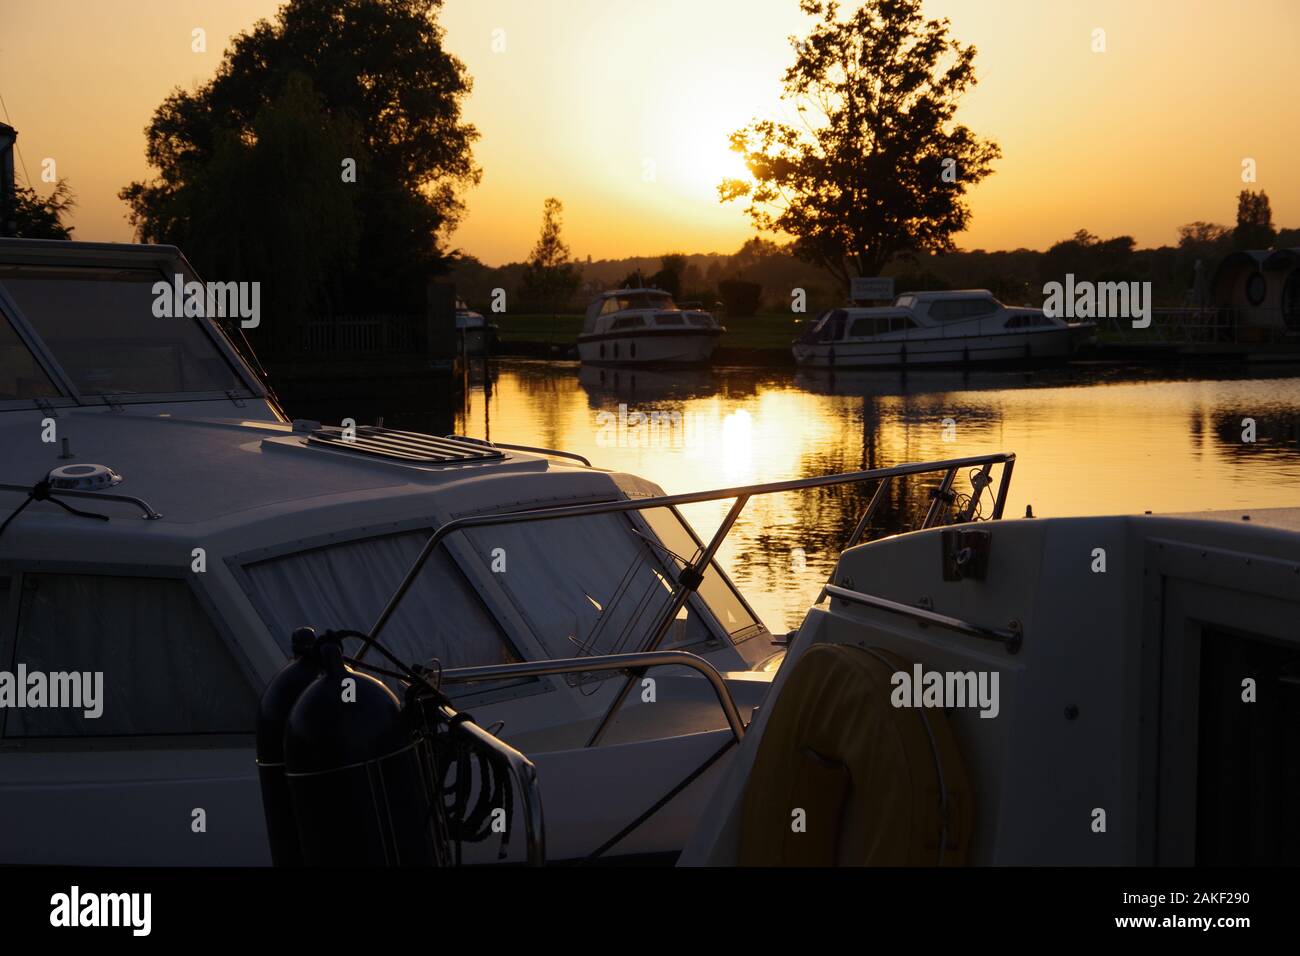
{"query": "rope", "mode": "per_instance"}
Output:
(44, 491)
(452, 755)
(661, 802)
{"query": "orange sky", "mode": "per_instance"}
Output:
(589, 96)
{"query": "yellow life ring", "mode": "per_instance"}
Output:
(877, 785)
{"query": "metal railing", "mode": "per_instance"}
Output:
(363, 335)
(692, 575)
(1010, 637)
(146, 509)
(634, 663)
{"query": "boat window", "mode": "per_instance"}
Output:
(715, 589)
(948, 309)
(703, 321)
(346, 586)
(878, 325)
(670, 318)
(587, 585)
(101, 328)
(20, 374)
(164, 667)
(831, 328)
(627, 322)
(905, 301)
(610, 307)
(1025, 320)
(646, 300)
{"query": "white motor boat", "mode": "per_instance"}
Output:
(1102, 691)
(474, 331)
(1083, 690)
(164, 526)
(938, 328)
(645, 327)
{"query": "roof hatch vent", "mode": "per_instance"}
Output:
(403, 446)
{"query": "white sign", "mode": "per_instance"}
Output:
(866, 288)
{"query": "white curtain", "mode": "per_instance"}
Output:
(347, 586)
(165, 669)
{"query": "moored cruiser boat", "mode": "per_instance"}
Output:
(645, 327)
(1068, 691)
(166, 528)
(475, 332)
(938, 328)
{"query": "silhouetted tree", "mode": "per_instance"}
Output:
(550, 278)
(1087, 257)
(878, 166)
(37, 218)
(740, 298)
(379, 69)
(1202, 235)
(669, 276)
(1254, 221)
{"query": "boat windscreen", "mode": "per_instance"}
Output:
(645, 300)
(588, 585)
(101, 327)
(20, 374)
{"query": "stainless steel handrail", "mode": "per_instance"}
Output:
(690, 577)
(144, 506)
(695, 497)
(544, 451)
(609, 662)
(529, 448)
(526, 784)
(1010, 638)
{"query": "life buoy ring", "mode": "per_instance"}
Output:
(872, 784)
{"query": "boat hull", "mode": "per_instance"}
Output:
(1034, 346)
(649, 347)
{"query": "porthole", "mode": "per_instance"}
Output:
(1256, 286)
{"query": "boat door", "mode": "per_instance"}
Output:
(1227, 775)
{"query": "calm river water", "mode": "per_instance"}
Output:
(1088, 440)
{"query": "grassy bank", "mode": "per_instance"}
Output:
(764, 331)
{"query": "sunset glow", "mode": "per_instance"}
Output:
(623, 109)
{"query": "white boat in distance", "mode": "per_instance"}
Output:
(645, 327)
(938, 328)
(473, 328)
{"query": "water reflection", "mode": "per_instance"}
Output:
(1089, 441)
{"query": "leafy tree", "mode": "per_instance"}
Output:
(669, 276)
(37, 218)
(1201, 235)
(1088, 257)
(1254, 221)
(551, 277)
(740, 298)
(379, 70)
(878, 166)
